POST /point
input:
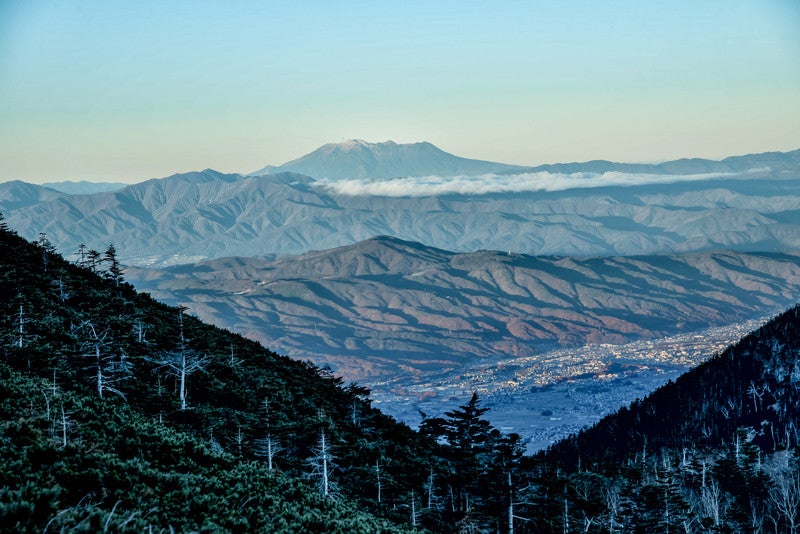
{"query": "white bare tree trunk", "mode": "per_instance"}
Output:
(63, 428)
(510, 506)
(430, 489)
(270, 452)
(99, 370)
(21, 326)
(785, 495)
(378, 475)
(324, 450)
(182, 374)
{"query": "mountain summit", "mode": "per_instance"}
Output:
(359, 159)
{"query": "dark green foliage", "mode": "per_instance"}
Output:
(127, 472)
(136, 459)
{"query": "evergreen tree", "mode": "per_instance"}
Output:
(114, 270)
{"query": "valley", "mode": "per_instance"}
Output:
(547, 397)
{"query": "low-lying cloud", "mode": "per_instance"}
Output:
(500, 183)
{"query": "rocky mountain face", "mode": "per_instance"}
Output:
(386, 306)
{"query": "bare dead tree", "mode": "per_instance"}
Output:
(322, 466)
(756, 392)
(21, 322)
(81, 254)
(182, 362)
(378, 477)
(110, 369)
(413, 509)
(784, 493)
(140, 331)
(47, 249)
(63, 291)
(66, 425)
(712, 502)
(267, 446)
(233, 361)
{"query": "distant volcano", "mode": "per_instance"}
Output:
(360, 159)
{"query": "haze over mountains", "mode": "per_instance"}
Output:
(747, 203)
(84, 187)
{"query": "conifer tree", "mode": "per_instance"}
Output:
(114, 269)
(47, 250)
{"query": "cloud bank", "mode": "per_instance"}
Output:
(494, 183)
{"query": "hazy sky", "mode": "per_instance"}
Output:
(124, 91)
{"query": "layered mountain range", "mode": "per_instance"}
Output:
(746, 203)
(384, 306)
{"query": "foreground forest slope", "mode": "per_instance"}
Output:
(120, 413)
(80, 464)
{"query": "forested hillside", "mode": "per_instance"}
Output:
(121, 414)
(715, 451)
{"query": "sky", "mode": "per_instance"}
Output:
(126, 91)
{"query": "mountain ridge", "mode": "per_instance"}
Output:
(205, 214)
(186, 218)
(775, 160)
(382, 304)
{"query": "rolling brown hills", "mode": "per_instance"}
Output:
(386, 306)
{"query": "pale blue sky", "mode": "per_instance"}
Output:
(107, 90)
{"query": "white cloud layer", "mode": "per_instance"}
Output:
(494, 183)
